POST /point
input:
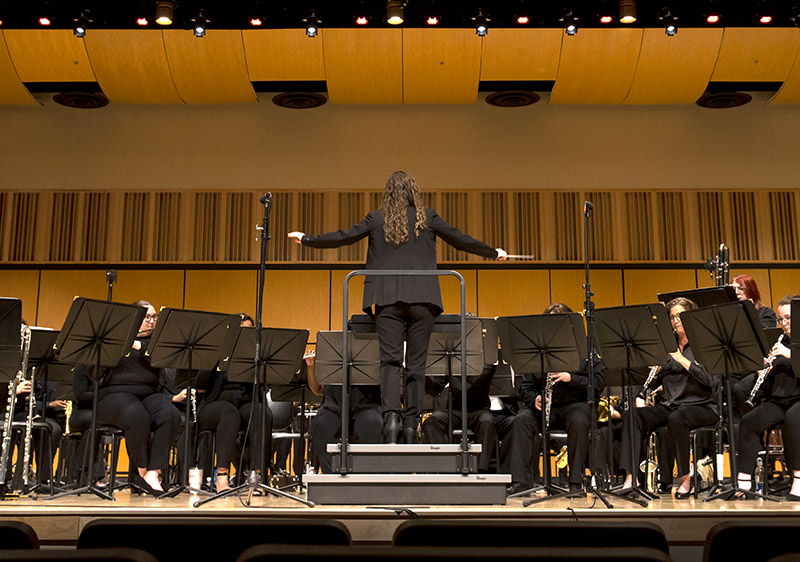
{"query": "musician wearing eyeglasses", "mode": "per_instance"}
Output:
(688, 402)
(781, 405)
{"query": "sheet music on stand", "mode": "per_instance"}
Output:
(10, 337)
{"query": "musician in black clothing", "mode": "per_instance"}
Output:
(131, 399)
(688, 402)
(781, 389)
(568, 408)
(402, 236)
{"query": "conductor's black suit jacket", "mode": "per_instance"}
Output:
(416, 253)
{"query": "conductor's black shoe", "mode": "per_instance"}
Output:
(392, 425)
(516, 488)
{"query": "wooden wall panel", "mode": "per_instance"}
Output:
(297, 299)
(12, 92)
(521, 54)
(756, 55)
(783, 282)
(566, 285)
(789, 92)
(364, 65)
(451, 291)
(49, 55)
(355, 294)
(441, 65)
(643, 285)
(221, 291)
(22, 284)
(131, 65)
(283, 54)
(512, 293)
(59, 287)
(161, 287)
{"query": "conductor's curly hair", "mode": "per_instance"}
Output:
(401, 192)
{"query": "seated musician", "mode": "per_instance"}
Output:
(781, 405)
(131, 399)
(689, 401)
(568, 409)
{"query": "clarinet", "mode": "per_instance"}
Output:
(548, 397)
(5, 450)
(26, 456)
(646, 386)
(762, 376)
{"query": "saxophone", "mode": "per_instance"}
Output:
(8, 420)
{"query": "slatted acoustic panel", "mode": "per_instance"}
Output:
(311, 220)
(167, 226)
(789, 92)
(351, 210)
(597, 66)
(283, 55)
(744, 236)
(20, 227)
(49, 55)
(602, 225)
(206, 227)
(457, 209)
(12, 91)
(282, 221)
(364, 65)
(22, 284)
(137, 222)
(639, 242)
(756, 55)
(784, 223)
(521, 54)
(526, 238)
(131, 65)
(64, 231)
(674, 70)
(565, 232)
(213, 70)
(710, 208)
(441, 65)
(671, 226)
(238, 227)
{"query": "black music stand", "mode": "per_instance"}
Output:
(706, 296)
(543, 343)
(279, 358)
(188, 341)
(363, 362)
(10, 355)
(631, 338)
(728, 339)
(98, 333)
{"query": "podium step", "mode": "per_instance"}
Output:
(407, 489)
(406, 459)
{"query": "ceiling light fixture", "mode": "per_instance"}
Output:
(165, 11)
(481, 23)
(570, 22)
(80, 26)
(627, 11)
(200, 24)
(312, 24)
(394, 12)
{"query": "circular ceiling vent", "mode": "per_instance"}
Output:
(299, 100)
(723, 100)
(512, 98)
(81, 100)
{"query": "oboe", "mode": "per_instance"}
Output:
(762, 376)
(26, 457)
(648, 381)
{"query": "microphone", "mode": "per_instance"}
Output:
(265, 199)
(587, 207)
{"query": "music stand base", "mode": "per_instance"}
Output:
(729, 493)
(183, 488)
(246, 487)
(78, 491)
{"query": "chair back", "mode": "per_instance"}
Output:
(17, 535)
(754, 541)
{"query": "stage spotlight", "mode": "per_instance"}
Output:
(165, 10)
(570, 23)
(80, 26)
(606, 19)
(312, 24)
(670, 25)
(200, 24)
(362, 20)
(794, 14)
(256, 22)
(764, 13)
(142, 22)
(481, 23)
(523, 20)
(394, 12)
(713, 18)
(627, 11)
(432, 20)
(44, 21)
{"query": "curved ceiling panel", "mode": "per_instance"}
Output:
(131, 65)
(756, 55)
(210, 69)
(12, 91)
(441, 65)
(283, 55)
(674, 69)
(49, 55)
(521, 54)
(364, 65)
(597, 66)
(790, 91)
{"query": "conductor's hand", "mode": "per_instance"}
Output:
(538, 402)
(501, 254)
(297, 236)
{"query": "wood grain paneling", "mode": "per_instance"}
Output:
(12, 92)
(521, 54)
(644, 285)
(221, 291)
(59, 287)
(512, 293)
(783, 282)
(789, 92)
(451, 291)
(355, 295)
(364, 65)
(22, 284)
(283, 54)
(441, 65)
(566, 285)
(161, 287)
(297, 299)
(597, 66)
(211, 69)
(674, 69)
(756, 55)
(131, 65)
(49, 55)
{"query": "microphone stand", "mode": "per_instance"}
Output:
(111, 278)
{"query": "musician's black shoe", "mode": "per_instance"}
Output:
(392, 425)
(516, 488)
(574, 487)
(664, 489)
(410, 436)
(684, 495)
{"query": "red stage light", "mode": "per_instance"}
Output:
(432, 20)
(522, 20)
(142, 22)
(712, 18)
(256, 22)
(361, 20)
(606, 19)
(44, 21)
(765, 19)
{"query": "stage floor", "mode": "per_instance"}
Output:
(685, 522)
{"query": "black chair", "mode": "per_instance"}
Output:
(98, 554)
(218, 539)
(17, 535)
(423, 532)
(754, 541)
(315, 553)
(786, 558)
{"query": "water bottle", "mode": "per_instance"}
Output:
(759, 477)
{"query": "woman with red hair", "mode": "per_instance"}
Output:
(746, 289)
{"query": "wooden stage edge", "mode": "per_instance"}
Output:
(685, 522)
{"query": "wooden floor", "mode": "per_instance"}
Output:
(685, 522)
